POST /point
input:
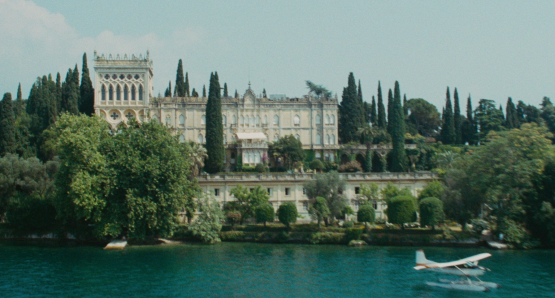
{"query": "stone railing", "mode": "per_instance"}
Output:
(310, 176)
(253, 145)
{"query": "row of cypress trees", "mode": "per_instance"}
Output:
(22, 123)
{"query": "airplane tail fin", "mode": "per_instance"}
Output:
(420, 260)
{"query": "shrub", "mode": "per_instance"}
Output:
(352, 166)
(330, 166)
(317, 165)
(31, 215)
(479, 225)
(353, 234)
(264, 213)
(434, 189)
(349, 224)
(287, 213)
(401, 210)
(431, 212)
(327, 238)
(232, 236)
(366, 213)
(261, 168)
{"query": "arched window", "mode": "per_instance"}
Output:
(332, 139)
(318, 155)
(203, 120)
(168, 120)
(118, 93)
(225, 140)
(251, 121)
(298, 137)
(141, 92)
(181, 139)
(257, 120)
(242, 120)
(257, 157)
(327, 119)
(133, 92)
(182, 119)
(154, 118)
(224, 120)
(318, 119)
(276, 138)
(200, 139)
(111, 93)
(103, 92)
(332, 119)
(266, 119)
(125, 93)
(297, 120)
(319, 139)
(276, 120)
(327, 139)
(234, 120)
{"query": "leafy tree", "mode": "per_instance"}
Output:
(7, 125)
(248, 200)
(511, 120)
(434, 189)
(401, 210)
(423, 116)
(214, 128)
(319, 210)
(264, 95)
(351, 115)
(370, 193)
(287, 213)
(288, 149)
(197, 157)
(448, 129)
(398, 154)
(431, 212)
(329, 186)
(373, 112)
(317, 165)
(457, 118)
(390, 191)
(318, 90)
(86, 90)
(366, 213)
(381, 122)
(209, 223)
(488, 118)
(180, 87)
(194, 93)
(527, 113)
(264, 213)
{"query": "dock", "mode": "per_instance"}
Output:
(116, 245)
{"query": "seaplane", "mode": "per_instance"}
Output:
(465, 268)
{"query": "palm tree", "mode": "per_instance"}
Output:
(198, 155)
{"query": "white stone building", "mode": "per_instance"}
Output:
(123, 90)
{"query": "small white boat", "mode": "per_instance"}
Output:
(458, 286)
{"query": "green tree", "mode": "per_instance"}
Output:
(401, 210)
(433, 189)
(351, 115)
(288, 149)
(317, 165)
(318, 90)
(381, 122)
(70, 93)
(86, 90)
(264, 213)
(225, 90)
(398, 155)
(214, 128)
(469, 126)
(168, 92)
(431, 212)
(366, 214)
(448, 128)
(488, 118)
(203, 90)
(236, 94)
(209, 223)
(19, 105)
(180, 87)
(319, 210)
(331, 187)
(457, 118)
(7, 125)
(369, 193)
(187, 84)
(287, 213)
(423, 116)
(512, 117)
(264, 95)
(248, 200)
(373, 113)
(390, 191)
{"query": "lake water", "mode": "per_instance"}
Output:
(256, 270)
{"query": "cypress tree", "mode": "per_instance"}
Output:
(502, 114)
(457, 119)
(264, 95)
(168, 92)
(351, 114)
(360, 92)
(70, 95)
(373, 114)
(390, 114)
(368, 161)
(179, 90)
(203, 90)
(86, 90)
(187, 84)
(398, 154)
(512, 117)
(448, 128)
(236, 94)
(7, 125)
(19, 106)
(381, 109)
(225, 90)
(405, 107)
(59, 92)
(194, 93)
(214, 128)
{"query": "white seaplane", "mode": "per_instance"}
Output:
(466, 268)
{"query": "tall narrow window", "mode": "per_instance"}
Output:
(276, 120)
(319, 139)
(297, 120)
(133, 92)
(327, 119)
(318, 119)
(242, 121)
(182, 120)
(234, 120)
(333, 139)
(332, 119)
(111, 93)
(328, 139)
(265, 119)
(203, 120)
(141, 92)
(298, 137)
(126, 93)
(103, 92)
(224, 120)
(200, 139)
(118, 93)
(257, 120)
(181, 139)
(168, 120)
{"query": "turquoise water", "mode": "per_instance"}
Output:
(255, 270)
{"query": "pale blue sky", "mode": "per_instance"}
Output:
(490, 49)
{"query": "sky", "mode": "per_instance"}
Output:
(486, 49)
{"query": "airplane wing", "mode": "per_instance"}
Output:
(475, 258)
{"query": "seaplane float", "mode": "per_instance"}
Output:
(465, 268)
